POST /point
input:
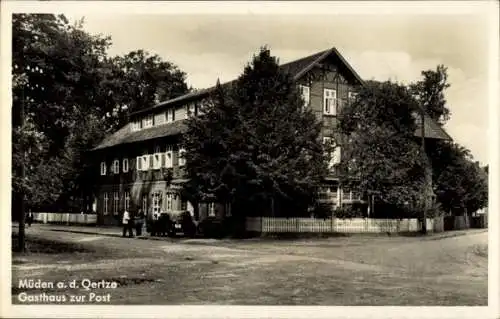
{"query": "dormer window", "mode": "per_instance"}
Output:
(191, 110)
(136, 126)
(147, 121)
(160, 119)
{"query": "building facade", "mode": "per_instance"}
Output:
(142, 167)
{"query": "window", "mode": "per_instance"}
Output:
(352, 95)
(346, 194)
(145, 204)
(183, 204)
(103, 168)
(136, 126)
(156, 202)
(105, 208)
(116, 202)
(151, 161)
(125, 165)
(160, 119)
(330, 102)
(169, 157)
(211, 209)
(168, 117)
(127, 201)
(355, 195)
(157, 159)
(116, 166)
(147, 121)
(306, 94)
(139, 163)
(334, 155)
(191, 110)
(182, 159)
(169, 201)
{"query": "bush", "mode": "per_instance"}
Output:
(349, 211)
(323, 210)
(213, 227)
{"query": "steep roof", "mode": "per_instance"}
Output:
(296, 68)
(432, 130)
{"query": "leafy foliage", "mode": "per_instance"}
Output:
(430, 93)
(381, 152)
(73, 94)
(255, 141)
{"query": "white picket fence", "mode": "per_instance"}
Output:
(338, 225)
(65, 218)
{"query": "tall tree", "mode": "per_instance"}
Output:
(459, 184)
(381, 153)
(256, 143)
(429, 91)
(73, 94)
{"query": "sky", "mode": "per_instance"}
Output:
(381, 47)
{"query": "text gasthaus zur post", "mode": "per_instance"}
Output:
(33, 291)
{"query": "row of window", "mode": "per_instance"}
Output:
(147, 162)
(330, 105)
(330, 101)
(167, 117)
(156, 202)
(334, 193)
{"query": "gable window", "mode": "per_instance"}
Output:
(306, 94)
(127, 201)
(103, 168)
(125, 165)
(182, 159)
(116, 202)
(330, 102)
(147, 121)
(116, 166)
(105, 208)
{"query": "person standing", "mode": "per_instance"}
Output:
(139, 223)
(29, 218)
(127, 224)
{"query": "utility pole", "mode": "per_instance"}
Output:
(22, 218)
(424, 195)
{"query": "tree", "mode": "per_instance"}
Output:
(430, 93)
(382, 157)
(461, 185)
(458, 182)
(73, 95)
(255, 144)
